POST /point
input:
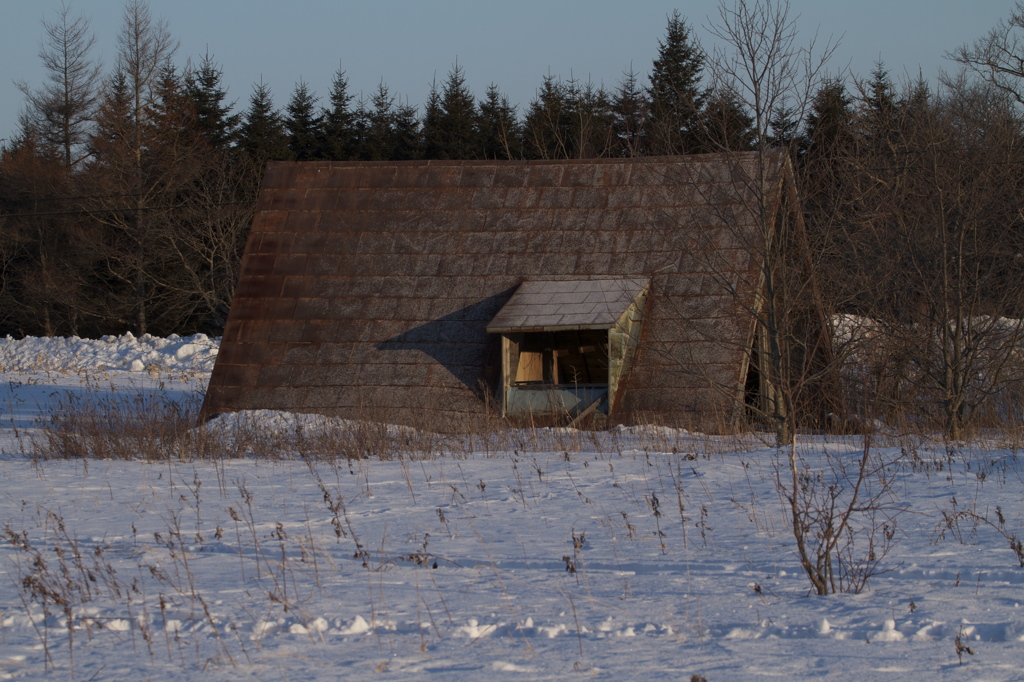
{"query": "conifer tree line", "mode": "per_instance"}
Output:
(127, 190)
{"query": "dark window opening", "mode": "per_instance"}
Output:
(752, 386)
(566, 357)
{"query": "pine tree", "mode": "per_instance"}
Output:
(828, 172)
(726, 126)
(591, 121)
(915, 106)
(172, 108)
(829, 126)
(132, 178)
(304, 124)
(45, 267)
(262, 135)
(450, 126)
(676, 100)
(114, 122)
(407, 143)
(783, 128)
(629, 108)
(498, 127)
(546, 127)
(879, 107)
(213, 115)
(569, 120)
(339, 121)
(379, 142)
(458, 122)
(433, 142)
(361, 128)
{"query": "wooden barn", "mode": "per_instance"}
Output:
(448, 294)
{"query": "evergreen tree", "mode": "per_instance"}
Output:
(137, 168)
(379, 143)
(43, 254)
(878, 107)
(830, 120)
(213, 115)
(629, 108)
(458, 122)
(339, 121)
(498, 127)
(591, 120)
(407, 142)
(915, 106)
(783, 127)
(114, 122)
(173, 119)
(262, 135)
(726, 125)
(450, 125)
(304, 124)
(827, 168)
(433, 142)
(546, 127)
(676, 100)
(360, 128)
(568, 120)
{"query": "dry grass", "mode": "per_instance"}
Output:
(151, 426)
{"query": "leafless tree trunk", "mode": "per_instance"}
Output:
(208, 236)
(764, 71)
(62, 110)
(838, 515)
(131, 182)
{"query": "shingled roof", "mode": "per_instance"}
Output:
(572, 304)
(366, 289)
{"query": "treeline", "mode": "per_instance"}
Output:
(125, 197)
(914, 201)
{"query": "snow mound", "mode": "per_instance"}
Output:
(126, 352)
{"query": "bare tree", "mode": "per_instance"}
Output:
(141, 146)
(840, 514)
(942, 212)
(56, 124)
(62, 110)
(999, 56)
(207, 239)
(144, 47)
(763, 70)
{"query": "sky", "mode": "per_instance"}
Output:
(407, 44)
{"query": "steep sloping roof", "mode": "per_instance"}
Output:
(367, 288)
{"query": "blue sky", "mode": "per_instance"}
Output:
(514, 44)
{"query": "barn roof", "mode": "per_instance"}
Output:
(367, 289)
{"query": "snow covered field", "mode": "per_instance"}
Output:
(638, 553)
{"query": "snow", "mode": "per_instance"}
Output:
(534, 555)
(146, 353)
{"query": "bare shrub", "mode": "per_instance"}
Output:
(843, 515)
